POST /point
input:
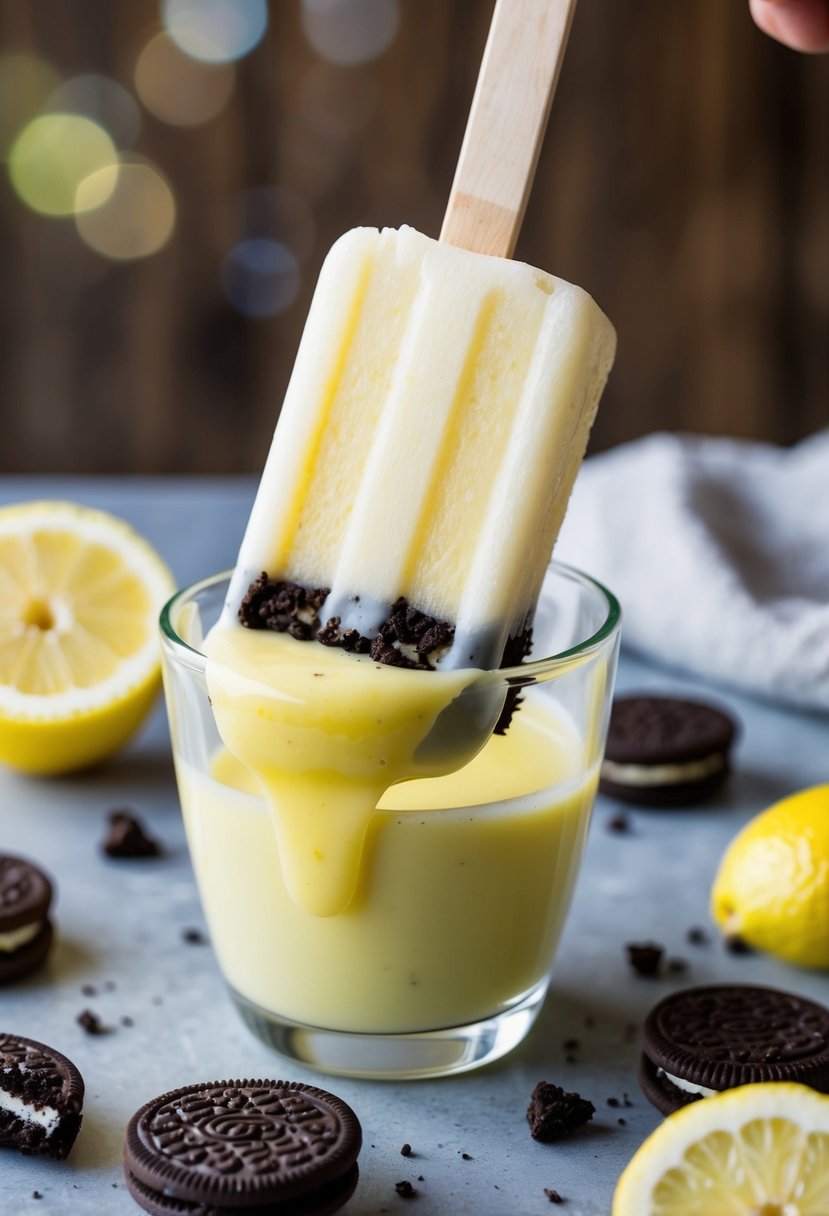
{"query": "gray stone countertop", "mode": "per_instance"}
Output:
(120, 928)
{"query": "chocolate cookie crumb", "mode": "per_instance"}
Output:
(405, 1189)
(553, 1113)
(466, 1157)
(89, 990)
(571, 1045)
(613, 1102)
(127, 838)
(406, 638)
(193, 937)
(645, 957)
(406, 1150)
(622, 1122)
(618, 823)
(553, 1196)
(697, 937)
(737, 945)
(676, 966)
(283, 607)
(36, 1195)
(90, 1022)
(126, 1020)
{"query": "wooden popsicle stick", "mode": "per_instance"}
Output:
(518, 76)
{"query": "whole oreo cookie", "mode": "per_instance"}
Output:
(243, 1147)
(666, 751)
(25, 930)
(41, 1097)
(703, 1040)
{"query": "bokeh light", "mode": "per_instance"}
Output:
(282, 215)
(25, 82)
(53, 154)
(350, 31)
(261, 277)
(137, 218)
(215, 31)
(102, 99)
(180, 90)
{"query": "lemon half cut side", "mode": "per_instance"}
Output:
(80, 594)
(759, 1150)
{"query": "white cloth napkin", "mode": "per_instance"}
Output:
(719, 552)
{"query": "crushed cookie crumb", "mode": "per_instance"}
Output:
(405, 1189)
(127, 837)
(90, 1022)
(553, 1113)
(194, 937)
(553, 1196)
(645, 957)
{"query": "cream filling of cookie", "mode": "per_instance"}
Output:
(16, 938)
(663, 774)
(45, 1116)
(686, 1086)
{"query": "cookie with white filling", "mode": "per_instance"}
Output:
(666, 751)
(25, 929)
(41, 1098)
(700, 1041)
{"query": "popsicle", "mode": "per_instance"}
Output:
(437, 415)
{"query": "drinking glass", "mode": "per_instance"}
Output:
(440, 962)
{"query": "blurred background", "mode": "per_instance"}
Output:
(176, 170)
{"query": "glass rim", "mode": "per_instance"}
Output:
(518, 673)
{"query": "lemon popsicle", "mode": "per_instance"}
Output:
(437, 415)
(435, 420)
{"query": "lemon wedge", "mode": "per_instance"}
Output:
(80, 594)
(772, 886)
(760, 1150)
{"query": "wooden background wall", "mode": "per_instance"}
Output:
(684, 182)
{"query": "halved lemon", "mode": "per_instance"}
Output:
(759, 1150)
(80, 594)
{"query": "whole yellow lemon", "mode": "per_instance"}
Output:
(772, 887)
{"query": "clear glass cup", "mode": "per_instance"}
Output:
(440, 963)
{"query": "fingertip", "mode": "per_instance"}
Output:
(802, 25)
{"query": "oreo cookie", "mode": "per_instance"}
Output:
(249, 1148)
(41, 1098)
(700, 1041)
(25, 929)
(666, 751)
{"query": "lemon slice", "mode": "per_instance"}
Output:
(80, 594)
(760, 1150)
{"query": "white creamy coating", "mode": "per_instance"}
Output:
(45, 1116)
(15, 938)
(686, 1086)
(662, 774)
